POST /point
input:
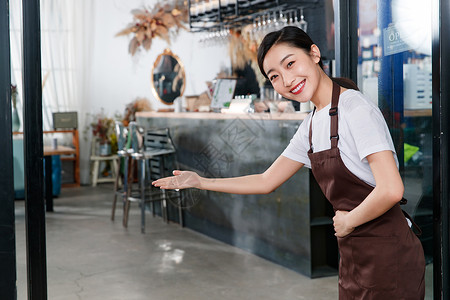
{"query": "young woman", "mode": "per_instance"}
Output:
(346, 143)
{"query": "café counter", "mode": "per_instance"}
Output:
(291, 226)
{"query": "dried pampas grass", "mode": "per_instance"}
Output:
(158, 22)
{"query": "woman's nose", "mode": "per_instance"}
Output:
(288, 80)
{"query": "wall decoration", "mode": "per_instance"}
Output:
(161, 21)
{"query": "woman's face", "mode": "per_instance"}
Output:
(293, 72)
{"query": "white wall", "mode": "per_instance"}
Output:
(116, 78)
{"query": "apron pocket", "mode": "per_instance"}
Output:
(375, 262)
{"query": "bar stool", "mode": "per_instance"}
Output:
(123, 153)
(132, 194)
(155, 148)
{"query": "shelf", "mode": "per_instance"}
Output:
(242, 13)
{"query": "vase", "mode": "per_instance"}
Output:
(105, 148)
(15, 120)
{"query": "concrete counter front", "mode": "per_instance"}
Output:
(284, 226)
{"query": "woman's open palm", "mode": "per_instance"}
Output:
(180, 180)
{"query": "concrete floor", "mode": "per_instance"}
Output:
(91, 257)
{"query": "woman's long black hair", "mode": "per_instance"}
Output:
(297, 38)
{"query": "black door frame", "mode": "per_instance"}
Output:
(346, 25)
(441, 130)
(33, 152)
(8, 288)
(33, 158)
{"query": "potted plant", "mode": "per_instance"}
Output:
(103, 131)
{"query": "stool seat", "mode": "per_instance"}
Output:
(104, 158)
(149, 153)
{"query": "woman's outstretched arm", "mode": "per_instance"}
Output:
(281, 170)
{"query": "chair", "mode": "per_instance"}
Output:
(152, 149)
(123, 153)
(96, 159)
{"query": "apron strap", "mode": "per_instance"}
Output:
(334, 136)
(310, 130)
(333, 112)
(419, 231)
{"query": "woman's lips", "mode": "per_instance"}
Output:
(298, 88)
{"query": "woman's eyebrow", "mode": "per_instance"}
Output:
(281, 62)
(284, 58)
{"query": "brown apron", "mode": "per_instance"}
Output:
(381, 259)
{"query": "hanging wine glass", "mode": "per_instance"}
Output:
(253, 30)
(291, 18)
(302, 24)
(276, 22)
(263, 26)
(283, 19)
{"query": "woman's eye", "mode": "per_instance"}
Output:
(290, 64)
(272, 78)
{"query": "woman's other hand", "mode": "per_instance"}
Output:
(180, 180)
(340, 224)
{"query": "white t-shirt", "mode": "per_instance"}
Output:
(362, 131)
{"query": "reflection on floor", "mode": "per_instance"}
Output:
(90, 257)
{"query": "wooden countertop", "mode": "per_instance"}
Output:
(222, 116)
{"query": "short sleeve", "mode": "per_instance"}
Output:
(369, 131)
(299, 145)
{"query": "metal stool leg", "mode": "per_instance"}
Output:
(149, 176)
(164, 211)
(142, 196)
(94, 173)
(116, 191)
(180, 210)
(128, 193)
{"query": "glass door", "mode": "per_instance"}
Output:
(394, 70)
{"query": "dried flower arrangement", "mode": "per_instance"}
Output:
(157, 22)
(140, 104)
(102, 128)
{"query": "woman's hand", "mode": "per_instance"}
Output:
(340, 224)
(180, 180)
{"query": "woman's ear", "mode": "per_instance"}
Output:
(315, 53)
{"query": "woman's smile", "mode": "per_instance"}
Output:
(298, 88)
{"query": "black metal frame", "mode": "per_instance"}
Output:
(8, 288)
(346, 38)
(33, 152)
(441, 172)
